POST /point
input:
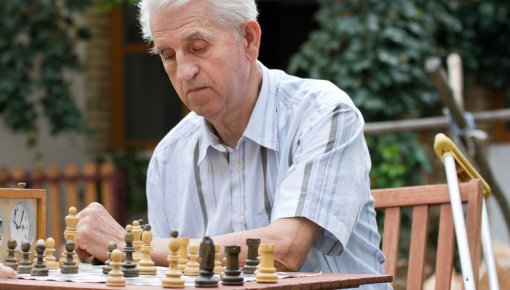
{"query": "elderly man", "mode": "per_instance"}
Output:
(262, 154)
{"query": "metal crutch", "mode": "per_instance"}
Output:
(457, 166)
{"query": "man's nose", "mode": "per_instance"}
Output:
(186, 68)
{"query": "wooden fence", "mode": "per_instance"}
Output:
(71, 187)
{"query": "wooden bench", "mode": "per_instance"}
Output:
(70, 187)
(421, 199)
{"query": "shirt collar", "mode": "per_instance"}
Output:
(262, 126)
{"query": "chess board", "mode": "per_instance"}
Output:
(93, 274)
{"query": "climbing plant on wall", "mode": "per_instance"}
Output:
(37, 47)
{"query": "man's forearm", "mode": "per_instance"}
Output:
(293, 238)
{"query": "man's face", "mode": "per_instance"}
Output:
(207, 65)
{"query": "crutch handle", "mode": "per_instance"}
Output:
(465, 171)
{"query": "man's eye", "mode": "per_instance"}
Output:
(200, 48)
(167, 56)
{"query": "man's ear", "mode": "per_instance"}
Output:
(251, 37)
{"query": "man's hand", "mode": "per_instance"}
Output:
(95, 229)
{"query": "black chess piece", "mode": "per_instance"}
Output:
(11, 260)
(129, 266)
(206, 278)
(25, 266)
(107, 267)
(232, 274)
(69, 266)
(39, 268)
(252, 261)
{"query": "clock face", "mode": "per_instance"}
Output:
(22, 225)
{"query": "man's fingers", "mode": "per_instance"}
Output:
(82, 252)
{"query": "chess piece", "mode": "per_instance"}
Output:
(192, 267)
(35, 257)
(252, 261)
(172, 277)
(70, 232)
(207, 278)
(129, 266)
(25, 266)
(183, 253)
(146, 265)
(232, 275)
(107, 265)
(51, 261)
(11, 260)
(69, 265)
(115, 276)
(39, 268)
(218, 267)
(137, 242)
(266, 272)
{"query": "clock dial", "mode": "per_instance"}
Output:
(22, 225)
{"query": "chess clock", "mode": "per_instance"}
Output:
(22, 216)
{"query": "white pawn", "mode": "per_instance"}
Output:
(115, 276)
(146, 265)
(137, 242)
(172, 277)
(192, 267)
(183, 253)
(51, 261)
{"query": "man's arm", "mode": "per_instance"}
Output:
(293, 238)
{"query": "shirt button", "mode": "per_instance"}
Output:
(239, 167)
(240, 219)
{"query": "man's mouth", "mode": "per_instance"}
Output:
(194, 90)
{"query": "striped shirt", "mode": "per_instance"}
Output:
(302, 154)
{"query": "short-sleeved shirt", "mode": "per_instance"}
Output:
(302, 154)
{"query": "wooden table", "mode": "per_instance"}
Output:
(324, 281)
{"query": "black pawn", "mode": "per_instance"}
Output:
(129, 266)
(69, 266)
(11, 260)
(206, 278)
(39, 268)
(25, 266)
(107, 267)
(252, 261)
(232, 274)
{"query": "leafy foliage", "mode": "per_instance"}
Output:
(376, 50)
(482, 40)
(36, 49)
(133, 164)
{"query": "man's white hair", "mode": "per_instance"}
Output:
(229, 13)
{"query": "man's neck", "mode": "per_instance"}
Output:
(231, 127)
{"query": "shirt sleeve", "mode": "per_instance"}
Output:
(156, 201)
(328, 177)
